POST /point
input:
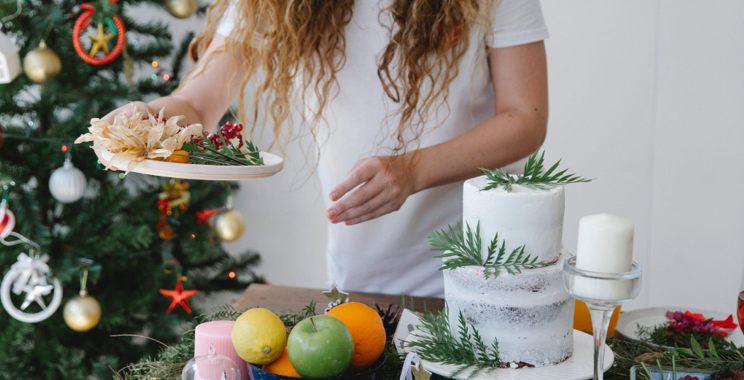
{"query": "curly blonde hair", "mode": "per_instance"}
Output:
(299, 46)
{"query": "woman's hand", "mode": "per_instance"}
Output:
(128, 109)
(386, 183)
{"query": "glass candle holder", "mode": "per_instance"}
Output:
(211, 366)
(602, 293)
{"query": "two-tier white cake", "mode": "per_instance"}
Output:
(530, 313)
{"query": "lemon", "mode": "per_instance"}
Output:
(259, 336)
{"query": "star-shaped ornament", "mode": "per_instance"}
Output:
(421, 373)
(337, 296)
(35, 292)
(100, 41)
(178, 296)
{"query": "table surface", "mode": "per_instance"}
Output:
(284, 298)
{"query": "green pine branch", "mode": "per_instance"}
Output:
(435, 343)
(533, 176)
(463, 248)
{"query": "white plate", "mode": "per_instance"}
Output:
(580, 366)
(627, 324)
(272, 164)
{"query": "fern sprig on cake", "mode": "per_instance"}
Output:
(533, 176)
(463, 248)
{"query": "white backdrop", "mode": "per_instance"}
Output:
(647, 96)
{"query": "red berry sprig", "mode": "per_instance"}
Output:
(229, 131)
(688, 377)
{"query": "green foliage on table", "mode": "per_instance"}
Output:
(533, 176)
(628, 353)
(115, 223)
(663, 335)
(463, 248)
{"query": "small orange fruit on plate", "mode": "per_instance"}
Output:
(366, 329)
(179, 156)
(282, 366)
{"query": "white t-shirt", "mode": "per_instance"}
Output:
(391, 254)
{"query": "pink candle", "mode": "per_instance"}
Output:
(218, 333)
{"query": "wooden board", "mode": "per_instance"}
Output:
(284, 298)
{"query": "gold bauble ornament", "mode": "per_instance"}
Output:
(82, 313)
(229, 225)
(41, 64)
(182, 8)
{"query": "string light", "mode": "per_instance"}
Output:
(166, 77)
(231, 274)
(155, 64)
(154, 77)
(64, 148)
(193, 236)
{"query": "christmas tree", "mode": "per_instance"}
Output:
(126, 237)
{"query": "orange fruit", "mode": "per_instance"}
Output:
(282, 366)
(366, 329)
(179, 156)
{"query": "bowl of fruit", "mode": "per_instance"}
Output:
(348, 342)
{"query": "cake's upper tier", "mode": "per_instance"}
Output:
(524, 216)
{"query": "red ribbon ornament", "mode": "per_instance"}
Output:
(83, 22)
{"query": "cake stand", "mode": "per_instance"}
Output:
(580, 366)
(272, 164)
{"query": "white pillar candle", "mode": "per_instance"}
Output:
(605, 245)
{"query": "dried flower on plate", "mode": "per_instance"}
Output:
(137, 137)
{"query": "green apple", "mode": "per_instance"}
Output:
(320, 346)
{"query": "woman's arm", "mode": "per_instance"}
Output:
(521, 86)
(206, 96)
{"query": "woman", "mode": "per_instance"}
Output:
(405, 99)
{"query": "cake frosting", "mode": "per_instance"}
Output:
(529, 313)
(524, 216)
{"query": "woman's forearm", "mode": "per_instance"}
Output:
(520, 80)
(497, 142)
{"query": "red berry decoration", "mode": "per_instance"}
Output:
(688, 377)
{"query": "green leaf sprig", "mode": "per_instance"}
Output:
(463, 248)
(533, 176)
(206, 152)
(436, 343)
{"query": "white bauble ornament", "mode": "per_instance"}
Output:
(28, 278)
(182, 8)
(229, 225)
(82, 313)
(10, 61)
(67, 184)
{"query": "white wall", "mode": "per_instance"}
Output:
(647, 96)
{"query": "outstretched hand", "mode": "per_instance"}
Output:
(374, 187)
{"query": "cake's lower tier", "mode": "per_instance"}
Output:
(530, 313)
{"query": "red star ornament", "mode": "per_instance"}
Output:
(178, 296)
(204, 215)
